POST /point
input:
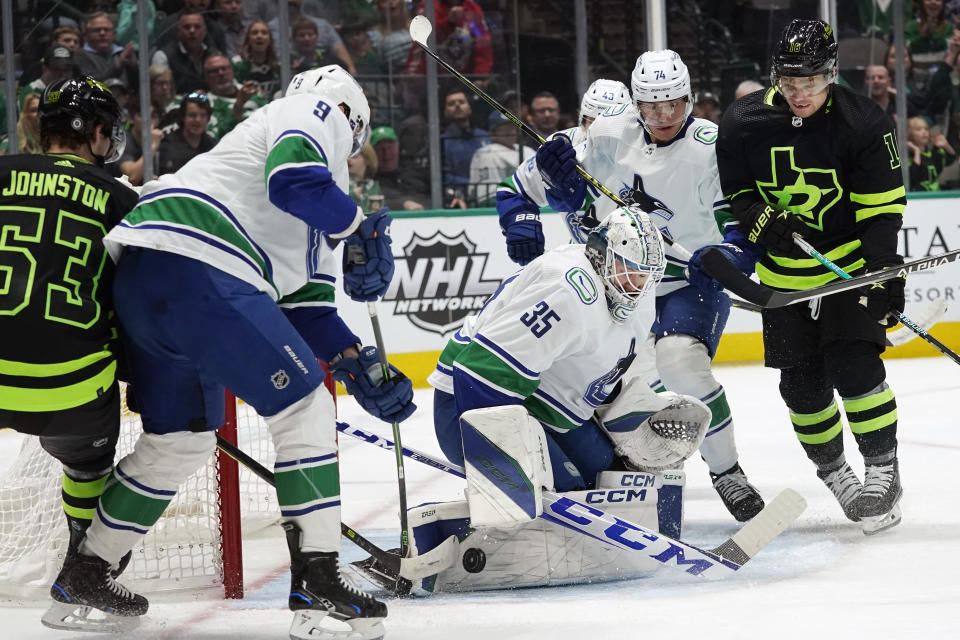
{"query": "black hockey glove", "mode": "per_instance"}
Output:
(886, 297)
(773, 228)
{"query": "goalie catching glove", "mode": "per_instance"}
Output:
(367, 259)
(654, 431)
(390, 400)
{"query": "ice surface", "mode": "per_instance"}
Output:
(820, 577)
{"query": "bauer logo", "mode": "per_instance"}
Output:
(439, 281)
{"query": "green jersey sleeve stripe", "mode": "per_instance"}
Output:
(59, 398)
(878, 198)
(869, 212)
(739, 193)
(295, 150)
(495, 372)
(548, 415)
(805, 263)
(310, 292)
(31, 370)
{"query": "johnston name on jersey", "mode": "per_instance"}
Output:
(223, 206)
(528, 343)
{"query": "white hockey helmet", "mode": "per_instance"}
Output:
(601, 95)
(334, 82)
(626, 250)
(660, 76)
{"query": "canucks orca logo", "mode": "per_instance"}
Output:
(809, 193)
(654, 207)
(601, 388)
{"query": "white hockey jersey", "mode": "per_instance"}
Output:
(677, 182)
(545, 337)
(217, 209)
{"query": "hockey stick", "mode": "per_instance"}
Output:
(413, 568)
(927, 318)
(904, 320)
(420, 30)
(735, 552)
(727, 274)
(401, 478)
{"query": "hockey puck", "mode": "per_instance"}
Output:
(474, 560)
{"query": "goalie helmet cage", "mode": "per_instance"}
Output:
(195, 544)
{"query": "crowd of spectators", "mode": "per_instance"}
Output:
(213, 62)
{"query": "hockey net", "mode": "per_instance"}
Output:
(195, 544)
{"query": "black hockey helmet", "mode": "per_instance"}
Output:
(806, 48)
(76, 106)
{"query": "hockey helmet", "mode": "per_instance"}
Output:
(806, 48)
(660, 76)
(601, 95)
(337, 84)
(626, 251)
(77, 106)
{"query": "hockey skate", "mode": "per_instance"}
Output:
(86, 598)
(324, 606)
(878, 504)
(740, 497)
(78, 533)
(845, 486)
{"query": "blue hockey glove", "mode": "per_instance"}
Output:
(557, 162)
(735, 248)
(520, 223)
(390, 400)
(367, 259)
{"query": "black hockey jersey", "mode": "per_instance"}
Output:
(57, 327)
(838, 171)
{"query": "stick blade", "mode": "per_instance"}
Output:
(441, 557)
(420, 29)
(727, 274)
(763, 527)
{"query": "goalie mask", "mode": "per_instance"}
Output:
(335, 83)
(661, 90)
(626, 251)
(600, 96)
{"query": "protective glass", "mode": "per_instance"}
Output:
(793, 88)
(118, 141)
(664, 114)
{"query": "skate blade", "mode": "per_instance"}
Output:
(73, 617)
(317, 625)
(875, 524)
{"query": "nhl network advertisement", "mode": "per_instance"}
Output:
(447, 264)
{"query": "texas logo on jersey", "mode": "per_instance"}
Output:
(807, 192)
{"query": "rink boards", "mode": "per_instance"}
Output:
(448, 262)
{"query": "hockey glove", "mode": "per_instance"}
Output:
(367, 259)
(557, 162)
(735, 248)
(520, 223)
(390, 400)
(886, 297)
(773, 228)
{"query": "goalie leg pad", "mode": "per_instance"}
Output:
(507, 464)
(141, 487)
(307, 471)
(684, 365)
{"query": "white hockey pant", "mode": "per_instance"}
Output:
(307, 472)
(684, 366)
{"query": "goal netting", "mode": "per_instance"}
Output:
(195, 544)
